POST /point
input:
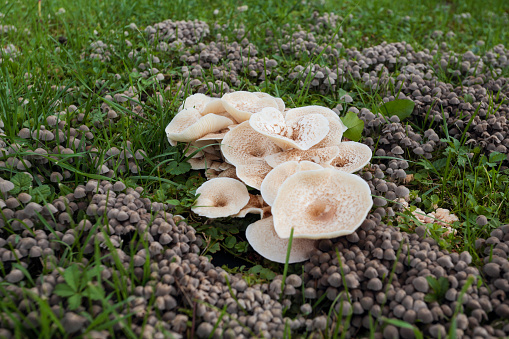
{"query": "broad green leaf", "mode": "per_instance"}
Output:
(214, 248)
(230, 241)
(64, 290)
(41, 193)
(74, 301)
(402, 108)
(444, 284)
(22, 182)
(72, 276)
(180, 168)
(255, 269)
(355, 126)
(94, 292)
(496, 157)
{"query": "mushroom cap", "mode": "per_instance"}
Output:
(296, 113)
(352, 157)
(321, 204)
(220, 197)
(301, 133)
(256, 205)
(333, 138)
(6, 185)
(253, 174)
(265, 241)
(243, 145)
(219, 135)
(197, 101)
(279, 174)
(280, 103)
(204, 162)
(189, 125)
(316, 155)
(242, 104)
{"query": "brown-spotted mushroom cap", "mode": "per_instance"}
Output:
(296, 113)
(204, 162)
(352, 157)
(333, 138)
(256, 205)
(189, 125)
(220, 197)
(279, 174)
(321, 204)
(302, 133)
(280, 103)
(264, 240)
(316, 155)
(253, 174)
(197, 101)
(242, 104)
(243, 145)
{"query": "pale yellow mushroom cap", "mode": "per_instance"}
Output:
(243, 145)
(253, 174)
(333, 138)
(256, 205)
(296, 113)
(264, 240)
(352, 157)
(280, 103)
(220, 197)
(301, 133)
(189, 125)
(242, 104)
(279, 174)
(321, 204)
(316, 155)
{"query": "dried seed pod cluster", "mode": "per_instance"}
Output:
(295, 157)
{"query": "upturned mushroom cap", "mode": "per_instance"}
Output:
(256, 205)
(352, 157)
(220, 197)
(279, 174)
(301, 133)
(333, 138)
(243, 145)
(280, 103)
(316, 155)
(296, 113)
(253, 174)
(321, 204)
(197, 101)
(204, 162)
(189, 125)
(264, 240)
(242, 104)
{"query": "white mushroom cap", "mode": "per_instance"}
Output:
(352, 157)
(280, 103)
(189, 125)
(253, 174)
(197, 101)
(220, 197)
(296, 113)
(264, 240)
(205, 162)
(316, 155)
(242, 104)
(279, 174)
(243, 145)
(301, 133)
(321, 204)
(256, 205)
(333, 138)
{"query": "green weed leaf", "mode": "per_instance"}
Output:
(355, 126)
(402, 108)
(41, 193)
(22, 182)
(72, 277)
(64, 290)
(230, 241)
(74, 301)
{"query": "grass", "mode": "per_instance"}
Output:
(48, 74)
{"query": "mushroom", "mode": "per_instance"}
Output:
(279, 174)
(352, 157)
(5, 185)
(333, 138)
(262, 236)
(316, 155)
(220, 197)
(301, 133)
(253, 174)
(242, 104)
(190, 125)
(296, 113)
(197, 101)
(280, 103)
(243, 145)
(256, 205)
(321, 204)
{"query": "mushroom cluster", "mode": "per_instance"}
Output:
(294, 157)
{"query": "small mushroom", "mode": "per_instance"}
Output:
(279, 174)
(320, 204)
(220, 197)
(301, 133)
(5, 185)
(264, 240)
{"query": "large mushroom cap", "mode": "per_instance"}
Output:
(197, 101)
(243, 145)
(296, 113)
(220, 197)
(256, 205)
(242, 104)
(321, 204)
(189, 125)
(264, 240)
(301, 133)
(333, 138)
(352, 157)
(316, 155)
(253, 174)
(280, 103)
(279, 174)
